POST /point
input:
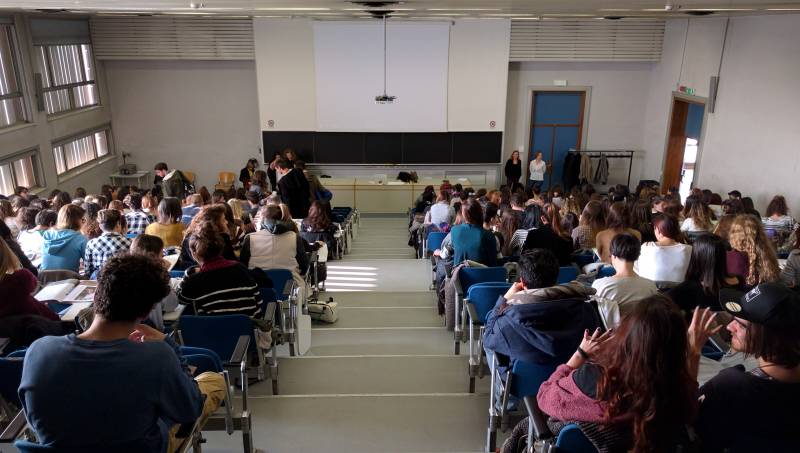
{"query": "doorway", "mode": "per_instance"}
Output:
(556, 128)
(683, 143)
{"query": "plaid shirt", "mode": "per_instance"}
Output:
(137, 221)
(99, 249)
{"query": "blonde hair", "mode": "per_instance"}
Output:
(571, 205)
(70, 217)
(748, 236)
(9, 263)
(236, 208)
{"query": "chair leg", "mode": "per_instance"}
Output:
(457, 347)
(472, 384)
(247, 435)
(273, 370)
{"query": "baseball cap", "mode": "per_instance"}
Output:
(735, 193)
(769, 304)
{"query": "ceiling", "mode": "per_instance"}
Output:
(413, 9)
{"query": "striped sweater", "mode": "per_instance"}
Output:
(221, 287)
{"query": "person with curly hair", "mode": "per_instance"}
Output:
(753, 256)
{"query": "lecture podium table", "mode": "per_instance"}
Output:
(387, 197)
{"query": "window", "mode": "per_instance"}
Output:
(82, 150)
(68, 77)
(19, 170)
(12, 110)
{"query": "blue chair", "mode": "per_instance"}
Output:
(584, 258)
(467, 277)
(131, 235)
(567, 274)
(284, 285)
(224, 334)
(519, 380)
(606, 271)
(569, 440)
(481, 299)
(10, 377)
(203, 359)
(177, 274)
(431, 242)
(25, 446)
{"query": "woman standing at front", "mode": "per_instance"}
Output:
(513, 169)
(537, 169)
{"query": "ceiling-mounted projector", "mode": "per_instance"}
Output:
(384, 99)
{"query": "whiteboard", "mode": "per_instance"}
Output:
(348, 60)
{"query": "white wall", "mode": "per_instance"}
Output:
(478, 75)
(749, 143)
(616, 106)
(199, 116)
(285, 73)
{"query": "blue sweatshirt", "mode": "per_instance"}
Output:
(89, 393)
(472, 242)
(63, 249)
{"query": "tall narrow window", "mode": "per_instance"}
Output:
(79, 151)
(12, 109)
(68, 77)
(19, 170)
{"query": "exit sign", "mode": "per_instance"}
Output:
(687, 90)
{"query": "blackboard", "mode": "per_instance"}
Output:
(387, 147)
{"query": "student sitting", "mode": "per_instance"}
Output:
(16, 285)
(169, 226)
(214, 215)
(190, 210)
(130, 380)
(64, 246)
(706, 276)
(591, 222)
(635, 389)
(790, 274)
(665, 260)
(217, 285)
(30, 240)
(441, 212)
(318, 226)
(153, 247)
(753, 255)
(618, 222)
(469, 241)
(698, 217)
(538, 320)
(550, 236)
(111, 242)
(756, 410)
(777, 216)
(617, 295)
(136, 219)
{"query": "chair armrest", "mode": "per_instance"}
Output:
(14, 428)
(240, 351)
(288, 288)
(537, 419)
(472, 313)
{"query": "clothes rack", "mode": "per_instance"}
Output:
(610, 154)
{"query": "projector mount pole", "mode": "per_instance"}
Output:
(384, 56)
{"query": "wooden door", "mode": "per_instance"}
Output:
(676, 145)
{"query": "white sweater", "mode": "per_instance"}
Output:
(663, 263)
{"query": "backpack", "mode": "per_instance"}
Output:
(323, 311)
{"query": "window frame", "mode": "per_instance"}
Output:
(69, 86)
(69, 173)
(36, 159)
(16, 61)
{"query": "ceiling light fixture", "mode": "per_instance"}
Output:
(384, 98)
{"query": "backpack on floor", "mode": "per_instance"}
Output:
(323, 311)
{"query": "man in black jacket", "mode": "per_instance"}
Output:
(294, 189)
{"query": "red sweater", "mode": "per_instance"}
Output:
(560, 398)
(16, 289)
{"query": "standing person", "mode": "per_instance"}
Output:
(258, 183)
(272, 169)
(168, 226)
(536, 170)
(246, 174)
(288, 154)
(64, 246)
(513, 170)
(294, 189)
(733, 403)
(173, 183)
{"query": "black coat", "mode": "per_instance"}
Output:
(513, 172)
(296, 193)
(244, 176)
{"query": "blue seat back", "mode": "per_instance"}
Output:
(131, 235)
(582, 259)
(606, 271)
(202, 358)
(279, 278)
(484, 296)
(572, 440)
(219, 333)
(268, 296)
(527, 377)
(469, 276)
(177, 274)
(10, 377)
(567, 274)
(435, 240)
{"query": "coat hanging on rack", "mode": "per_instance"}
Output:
(586, 168)
(601, 175)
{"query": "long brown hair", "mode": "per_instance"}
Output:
(550, 211)
(593, 216)
(9, 263)
(748, 236)
(509, 223)
(644, 373)
(317, 219)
